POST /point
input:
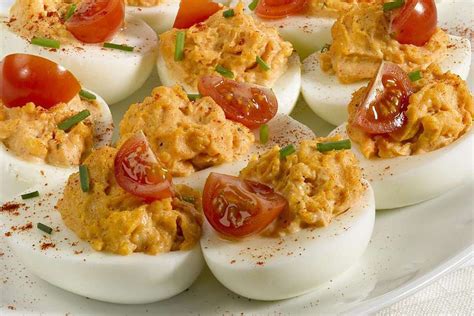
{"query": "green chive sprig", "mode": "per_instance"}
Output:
(44, 228)
(224, 72)
(228, 13)
(194, 97)
(415, 75)
(264, 134)
(338, 145)
(73, 120)
(253, 5)
(87, 95)
(70, 11)
(389, 6)
(125, 48)
(84, 177)
(179, 47)
(262, 64)
(45, 42)
(30, 195)
(286, 151)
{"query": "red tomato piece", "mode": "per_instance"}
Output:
(248, 104)
(276, 9)
(27, 78)
(138, 171)
(194, 11)
(384, 107)
(415, 22)
(237, 208)
(96, 21)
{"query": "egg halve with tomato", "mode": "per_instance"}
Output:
(112, 73)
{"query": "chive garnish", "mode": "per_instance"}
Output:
(262, 64)
(73, 120)
(194, 97)
(253, 5)
(264, 133)
(188, 199)
(87, 95)
(30, 195)
(70, 11)
(44, 228)
(84, 177)
(224, 71)
(119, 47)
(325, 48)
(179, 48)
(286, 151)
(45, 42)
(389, 6)
(414, 75)
(228, 13)
(339, 145)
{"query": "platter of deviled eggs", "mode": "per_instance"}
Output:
(368, 263)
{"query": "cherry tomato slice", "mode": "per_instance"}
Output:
(277, 9)
(248, 104)
(138, 171)
(194, 11)
(237, 208)
(415, 22)
(96, 21)
(27, 78)
(385, 104)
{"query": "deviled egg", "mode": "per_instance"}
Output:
(108, 52)
(48, 124)
(362, 39)
(158, 14)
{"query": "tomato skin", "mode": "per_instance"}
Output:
(384, 112)
(248, 104)
(415, 22)
(96, 21)
(27, 78)
(138, 172)
(249, 206)
(194, 11)
(277, 9)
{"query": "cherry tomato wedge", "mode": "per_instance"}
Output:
(96, 21)
(27, 78)
(237, 208)
(276, 9)
(138, 171)
(415, 22)
(248, 104)
(386, 101)
(194, 11)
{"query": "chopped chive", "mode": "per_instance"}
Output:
(44, 228)
(45, 42)
(228, 13)
(414, 75)
(389, 6)
(264, 133)
(286, 151)
(253, 5)
(30, 195)
(87, 95)
(73, 120)
(70, 11)
(194, 97)
(224, 71)
(325, 48)
(341, 144)
(262, 64)
(119, 47)
(179, 48)
(188, 199)
(84, 177)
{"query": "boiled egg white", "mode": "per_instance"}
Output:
(407, 180)
(113, 74)
(328, 97)
(286, 88)
(18, 175)
(160, 17)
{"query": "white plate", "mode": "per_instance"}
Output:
(410, 248)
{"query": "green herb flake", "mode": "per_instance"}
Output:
(84, 177)
(194, 97)
(179, 46)
(87, 95)
(325, 48)
(389, 6)
(125, 48)
(228, 13)
(224, 72)
(338, 145)
(262, 64)
(67, 124)
(45, 42)
(44, 228)
(415, 75)
(286, 151)
(30, 195)
(264, 134)
(70, 11)
(253, 5)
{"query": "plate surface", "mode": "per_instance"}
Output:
(410, 247)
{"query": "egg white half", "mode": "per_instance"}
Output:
(403, 181)
(17, 174)
(286, 88)
(160, 17)
(112, 73)
(328, 97)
